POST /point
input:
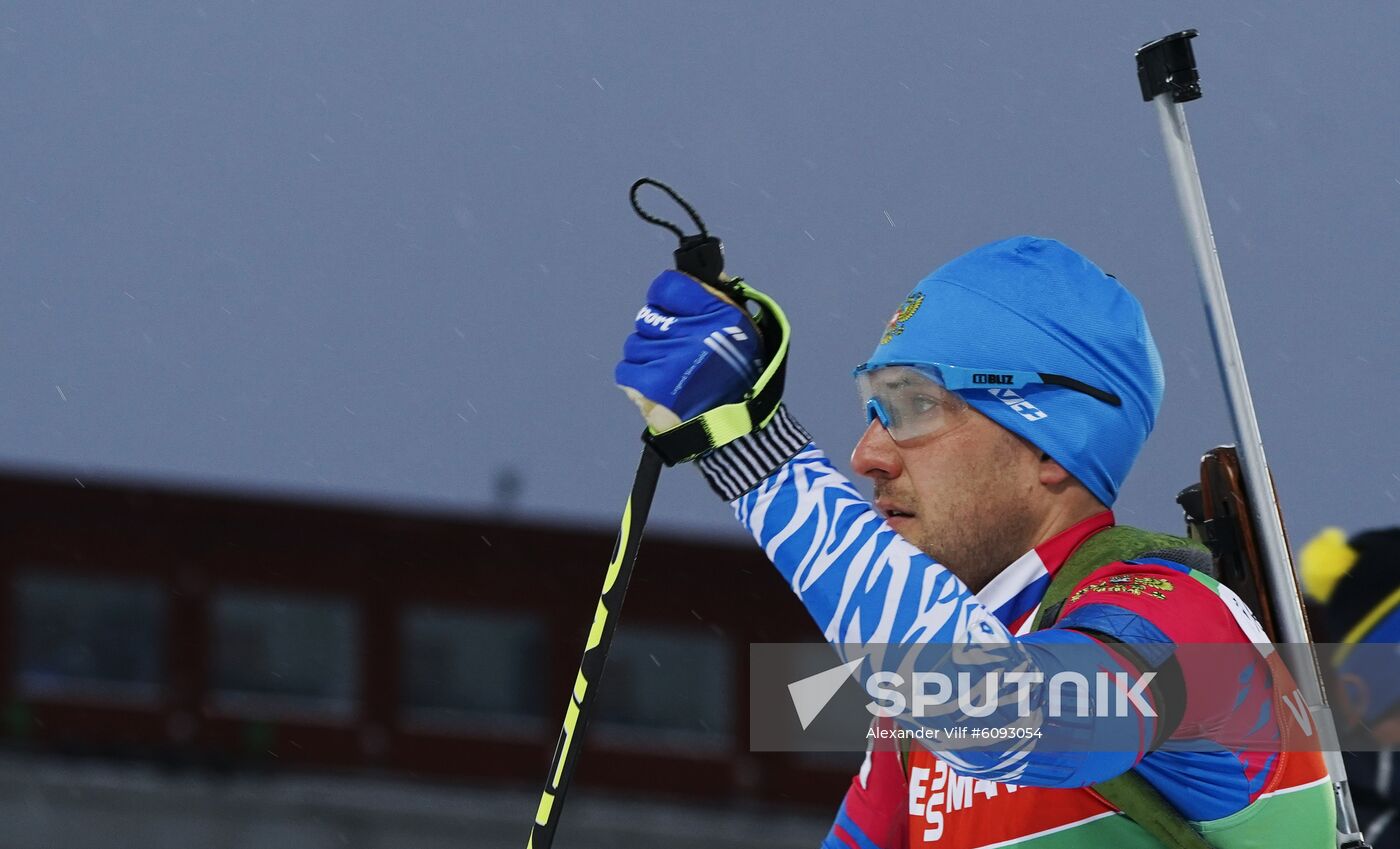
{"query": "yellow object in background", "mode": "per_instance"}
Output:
(1325, 560)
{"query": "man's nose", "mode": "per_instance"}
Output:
(875, 455)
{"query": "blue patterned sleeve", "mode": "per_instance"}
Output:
(875, 595)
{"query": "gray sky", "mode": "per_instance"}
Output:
(384, 251)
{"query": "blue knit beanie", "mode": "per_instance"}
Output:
(1034, 304)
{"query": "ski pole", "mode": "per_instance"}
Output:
(1168, 77)
(595, 652)
(702, 257)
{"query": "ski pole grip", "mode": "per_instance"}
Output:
(702, 257)
(1168, 66)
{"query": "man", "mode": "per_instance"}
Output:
(1006, 401)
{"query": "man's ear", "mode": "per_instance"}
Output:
(1052, 473)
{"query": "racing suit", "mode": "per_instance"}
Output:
(865, 586)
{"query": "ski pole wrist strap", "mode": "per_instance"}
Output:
(726, 423)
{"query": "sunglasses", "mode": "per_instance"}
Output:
(914, 399)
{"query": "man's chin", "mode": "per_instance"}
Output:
(974, 579)
(909, 528)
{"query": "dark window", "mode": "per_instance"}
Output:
(279, 653)
(670, 680)
(461, 666)
(87, 636)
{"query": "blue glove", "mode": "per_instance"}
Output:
(691, 351)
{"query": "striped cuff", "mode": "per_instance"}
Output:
(737, 467)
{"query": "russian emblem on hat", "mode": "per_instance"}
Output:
(904, 313)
